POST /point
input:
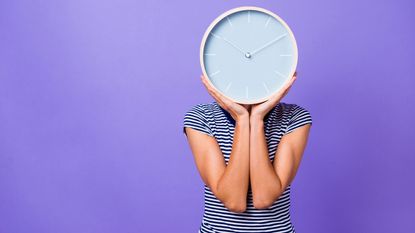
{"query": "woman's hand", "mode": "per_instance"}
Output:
(236, 110)
(258, 111)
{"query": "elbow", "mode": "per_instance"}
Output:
(262, 204)
(234, 203)
(237, 207)
(265, 201)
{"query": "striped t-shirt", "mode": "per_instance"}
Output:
(212, 119)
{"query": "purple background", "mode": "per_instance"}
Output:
(93, 93)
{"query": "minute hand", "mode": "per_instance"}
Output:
(268, 44)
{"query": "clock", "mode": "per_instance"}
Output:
(248, 53)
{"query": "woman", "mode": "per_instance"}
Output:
(234, 146)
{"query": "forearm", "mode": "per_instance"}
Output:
(265, 183)
(233, 185)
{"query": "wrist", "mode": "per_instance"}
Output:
(242, 119)
(254, 118)
(256, 122)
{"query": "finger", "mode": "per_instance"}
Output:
(283, 91)
(223, 101)
(214, 93)
(292, 79)
(209, 87)
(207, 84)
(286, 92)
(289, 85)
(220, 96)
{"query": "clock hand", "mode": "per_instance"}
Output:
(268, 44)
(233, 45)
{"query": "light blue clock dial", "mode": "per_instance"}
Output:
(249, 54)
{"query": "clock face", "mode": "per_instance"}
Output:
(248, 53)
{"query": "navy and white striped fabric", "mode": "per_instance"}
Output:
(212, 119)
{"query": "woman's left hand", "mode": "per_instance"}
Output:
(258, 111)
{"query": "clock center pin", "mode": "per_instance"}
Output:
(247, 55)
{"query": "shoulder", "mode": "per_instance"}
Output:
(198, 117)
(297, 116)
(285, 111)
(201, 110)
(294, 109)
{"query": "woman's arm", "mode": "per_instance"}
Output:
(269, 180)
(228, 183)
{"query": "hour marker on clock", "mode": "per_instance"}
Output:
(266, 87)
(249, 16)
(286, 55)
(214, 35)
(246, 91)
(227, 87)
(266, 23)
(210, 54)
(281, 75)
(214, 73)
(229, 21)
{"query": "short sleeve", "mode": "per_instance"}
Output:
(195, 118)
(299, 116)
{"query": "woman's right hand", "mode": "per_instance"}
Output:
(236, 110)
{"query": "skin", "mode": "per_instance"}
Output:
(249, 162)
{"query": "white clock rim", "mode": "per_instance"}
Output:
(238, 9)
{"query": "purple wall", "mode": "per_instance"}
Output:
(92, 96)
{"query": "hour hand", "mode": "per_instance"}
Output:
(234, 45)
